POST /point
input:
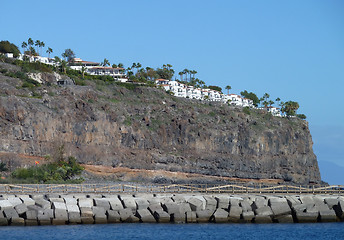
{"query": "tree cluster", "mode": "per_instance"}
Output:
(7, 47)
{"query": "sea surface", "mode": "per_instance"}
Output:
(177, 231)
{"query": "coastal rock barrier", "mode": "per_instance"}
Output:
(56, 209)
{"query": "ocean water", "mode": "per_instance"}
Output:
(177, 231)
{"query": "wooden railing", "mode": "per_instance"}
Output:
(171, 188)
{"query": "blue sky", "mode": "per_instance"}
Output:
(290, 49)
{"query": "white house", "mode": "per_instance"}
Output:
(78, 63)
(274, 111)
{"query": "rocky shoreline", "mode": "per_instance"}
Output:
(56, 209)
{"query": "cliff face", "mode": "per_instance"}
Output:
(106, 124)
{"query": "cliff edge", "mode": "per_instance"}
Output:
(139, 127)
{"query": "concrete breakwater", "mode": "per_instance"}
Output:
(55, 209)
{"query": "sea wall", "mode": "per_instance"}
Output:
(55, 209)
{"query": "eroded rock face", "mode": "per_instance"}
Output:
(146, 128)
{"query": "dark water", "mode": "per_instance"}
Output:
(178, 231)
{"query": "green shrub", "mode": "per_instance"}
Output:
(61, 171)
(246, 110)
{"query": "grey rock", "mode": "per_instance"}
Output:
(102, 202)
(304, 217)
(18, 221)
(85, 202)
(113, 216)
(191, 217)
(264, 211)
(248, 216)
(204, 216)
(262, 219)
(234, 213)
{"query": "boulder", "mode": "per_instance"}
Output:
(42, 203)
(15, 201)
(129, 203)
(70, 201)
(246, 206)
(86, 212)
(60, 214)
(211, 203)
(59, 205)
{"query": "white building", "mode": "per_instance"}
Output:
(78, 63)
(116, 73)
(275, 111)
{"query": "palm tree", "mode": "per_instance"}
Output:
(105, 62)
(37, 44)
(41, 45)
(120, 65)
(83, 69)
(228, 88)
(186, 71)
(30, 42)
(49, 51)
(181, 75)
(193, 72)
(24, 46)
(64, 66)
(114, 65)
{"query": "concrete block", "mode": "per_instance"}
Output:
(21, 208)
(145, 216)
(248, 216)
(43, 203)
(57, 200)
(74, 217)
(15, 201)
(235, 201)
(115, 203)
(155, 207)
(70, 201)
(31, 215)
(191, 217)
(44, 222)
(304, 217)
(59, 205)
(126, 215)
(28, 201)
(284, 219)
(102, 202)
(31, 222)
(204, 216)
(58, 222)
(113, 216)
(221, 215)
(293, 201)
(246, 206)
(307, 199)
(328, 216)
(211, 202)
(262, 219)
(280, 208)
(331, 202)
(99, 215)
(339, 209)
(141, 203)
(178, 217)
(259, 202)
(87, 220)
(129, 202)
(85, 202)
(179, 198)
(37, 196)
(60, 214)
(185, 207)
(264, 211)
(3, 222)
(234, 213)
(73, 208)
(301, 207)
(197, 203)
(154, 200)
(5, 204)
(164, 200)
(17, 221)
(86, 212)
(162, 216)
(222, 202)
(10, 213)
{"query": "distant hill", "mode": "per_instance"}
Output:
(331, 173)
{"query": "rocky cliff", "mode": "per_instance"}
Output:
(140, 127)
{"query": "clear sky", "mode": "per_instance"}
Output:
(290, 49)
